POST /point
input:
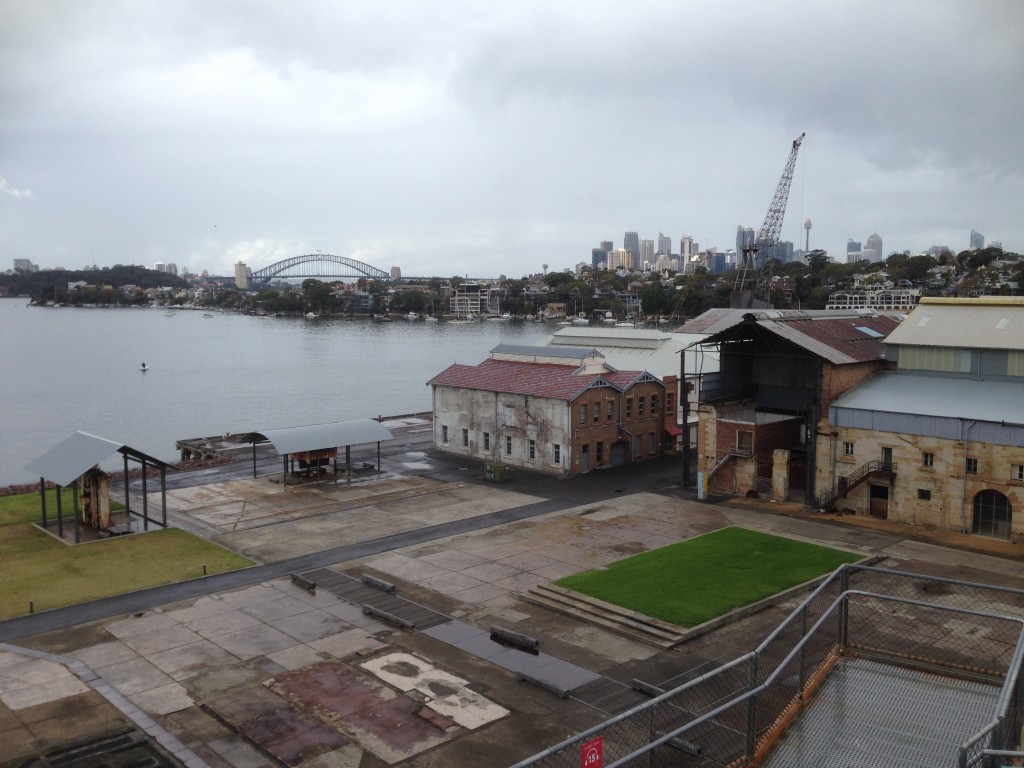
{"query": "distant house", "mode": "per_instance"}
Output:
(763, 414)
(558, 410)
(939, 441)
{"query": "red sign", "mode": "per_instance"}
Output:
(592, 753)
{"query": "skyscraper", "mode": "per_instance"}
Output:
(873, 251)
(686, 249)
(607, 246)
(598, 257)
(646, 255)
(977, 240)
(664, 244)
(853, 252)
(631, 242)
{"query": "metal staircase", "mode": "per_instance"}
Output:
(874, 468)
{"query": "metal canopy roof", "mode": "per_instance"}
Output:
(318, 437)
(69, 460)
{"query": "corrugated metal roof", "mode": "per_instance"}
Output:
(560, 382)
(642, 349)
(722, 318)
(532, 350)
(945, 396)
(317, 437)
(991, 323)
(838, 340)
(69, 460)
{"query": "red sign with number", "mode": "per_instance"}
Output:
(592, 753)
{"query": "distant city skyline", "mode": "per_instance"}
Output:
(462, 138)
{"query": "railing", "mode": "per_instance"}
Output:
(847, 483)
(736, 712)
(728, 454)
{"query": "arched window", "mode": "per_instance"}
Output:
(992, 514)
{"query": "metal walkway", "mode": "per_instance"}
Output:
(560, 677)
(874, 715)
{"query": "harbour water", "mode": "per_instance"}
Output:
(66, 369)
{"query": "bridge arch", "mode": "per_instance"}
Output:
(318, 265)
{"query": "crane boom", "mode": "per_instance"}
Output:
(753, 273)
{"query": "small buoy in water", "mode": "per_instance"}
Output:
(143, 367)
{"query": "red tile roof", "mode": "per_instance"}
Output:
(560, 382)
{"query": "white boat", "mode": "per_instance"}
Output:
(503, 316)
(170, 314)
(311, 315)
(580, 320)
(412, 316)
(608, 319)
(430, 319)
(207, 314)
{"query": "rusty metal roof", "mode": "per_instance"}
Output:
(721, 318)
(840, 338)
(560, 382)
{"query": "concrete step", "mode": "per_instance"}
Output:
(636, 625)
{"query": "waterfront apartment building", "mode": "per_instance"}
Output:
(883, 300)
(243, 276)
(473, 299)
(562, 410)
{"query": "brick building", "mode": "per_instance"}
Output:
(762, 414)
(562, 410)
(939, 441)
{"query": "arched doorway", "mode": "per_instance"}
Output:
(992, 515)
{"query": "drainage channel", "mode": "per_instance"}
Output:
(543, 670)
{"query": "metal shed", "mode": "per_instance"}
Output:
(316, 444)
(68, 461)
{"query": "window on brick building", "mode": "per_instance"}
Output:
(971, 466)
(444, 435)
(651, 446)
(629, 407)
(611, 410)
(927, 459)
(670, 399)
(597, 412)
(599, 455)
(847, 449)
(556, 454)
(640, 406)
(745, 441)
(923, 494)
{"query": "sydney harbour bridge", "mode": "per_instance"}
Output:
(318, 265)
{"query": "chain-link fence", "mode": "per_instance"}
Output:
(736, 712)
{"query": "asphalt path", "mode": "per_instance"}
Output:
(559, 493)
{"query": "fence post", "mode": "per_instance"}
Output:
(751, 709)
(800, 656)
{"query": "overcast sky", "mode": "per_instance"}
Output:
(487, 138)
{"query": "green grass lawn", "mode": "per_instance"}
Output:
(696, 580)
(26, 507)
(37, 567)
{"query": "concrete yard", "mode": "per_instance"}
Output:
(269, 674)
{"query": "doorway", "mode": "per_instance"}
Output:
(585, 458)
(878, 500)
